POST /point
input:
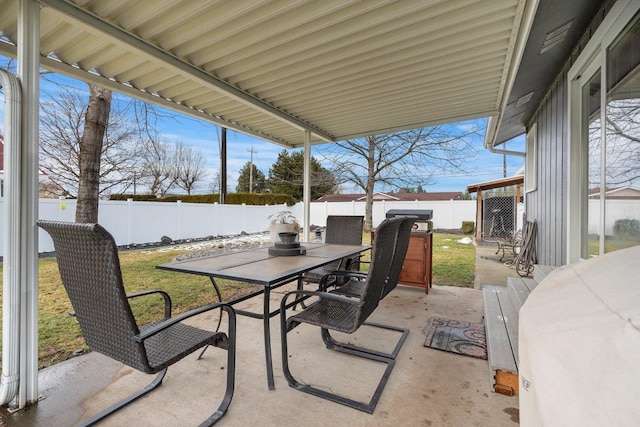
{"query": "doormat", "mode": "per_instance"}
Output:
(458, 337)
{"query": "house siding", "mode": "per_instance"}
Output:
(547, 204)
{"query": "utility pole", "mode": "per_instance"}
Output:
(504, 163)
(223, 166)
(251, 170)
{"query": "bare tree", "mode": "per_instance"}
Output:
(402, 159)
(214, 184)
(190, 167)
(87, 140)
(95, 126)
(160, 165)
(73, 138)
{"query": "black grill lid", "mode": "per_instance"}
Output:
(421, 214)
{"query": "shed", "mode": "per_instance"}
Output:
(479, 188)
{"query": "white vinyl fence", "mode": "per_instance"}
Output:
(142, 222)
(615, 209)
(447, 214)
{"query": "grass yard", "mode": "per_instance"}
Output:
(60, 338)
(453, 262)
(60, 334)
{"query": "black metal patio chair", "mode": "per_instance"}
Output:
(89, 266)
(341, 230)
(354, 288)
(512, 243)
(345, 314)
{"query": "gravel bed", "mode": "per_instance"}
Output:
(220, 246)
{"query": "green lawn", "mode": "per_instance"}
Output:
(60, 334)
(60, 338)
(610, 245)
(453, 262)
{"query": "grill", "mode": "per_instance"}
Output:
(423, 217)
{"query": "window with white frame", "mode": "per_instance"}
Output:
(607, 161)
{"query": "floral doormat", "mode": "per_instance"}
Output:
(464, 338)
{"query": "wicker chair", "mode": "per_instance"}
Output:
(354, 288)
(344, 314)
(341, 230)
(90, 270)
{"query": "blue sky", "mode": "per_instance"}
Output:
(486, 166)
(205, 136)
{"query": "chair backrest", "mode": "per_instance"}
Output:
(90, 270)
(381, 261)
(400, 252)
(344, 229)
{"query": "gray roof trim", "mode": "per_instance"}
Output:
(538, 70)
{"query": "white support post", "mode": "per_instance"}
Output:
(244, 217)
(179, 219)
(29, 74)
(306, 192)
(11, 249)
(130, 215)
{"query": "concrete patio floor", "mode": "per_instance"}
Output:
(427, 387)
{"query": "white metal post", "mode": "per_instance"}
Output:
(306, 191)
(29, 75)
(11, 247)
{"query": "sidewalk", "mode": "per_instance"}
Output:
(489, 269)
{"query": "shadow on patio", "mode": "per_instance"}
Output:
(427, 386)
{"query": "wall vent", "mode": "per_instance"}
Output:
(555, 37)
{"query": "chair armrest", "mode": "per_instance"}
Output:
(159, 327)
(320, 294)
(324, 282)
(167, 299)
(347, 262)
(344, 273)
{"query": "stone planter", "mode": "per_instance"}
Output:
(274, 229)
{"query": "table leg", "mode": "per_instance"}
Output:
(267, 339)
(266, 316)
(300, 287)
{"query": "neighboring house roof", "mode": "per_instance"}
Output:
(435, 196)
(627, 192)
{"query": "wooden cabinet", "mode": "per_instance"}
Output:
(416, 270)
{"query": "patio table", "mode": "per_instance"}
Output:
(258, 267)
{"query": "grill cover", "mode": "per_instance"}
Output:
(420, 214)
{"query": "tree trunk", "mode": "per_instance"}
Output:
(368, 206)
(95, 127)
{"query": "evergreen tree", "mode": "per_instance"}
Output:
(286, 176)
(259, 181)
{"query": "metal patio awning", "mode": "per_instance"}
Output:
(338, 69)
